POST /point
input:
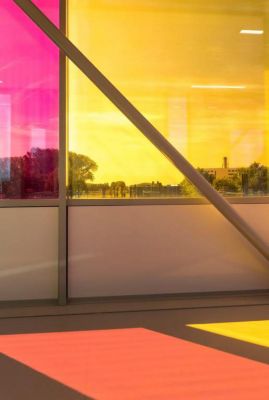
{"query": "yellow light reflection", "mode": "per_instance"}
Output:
(251, 32)
(99, 130)
(256, 332)
(218, 87)
(155, 53)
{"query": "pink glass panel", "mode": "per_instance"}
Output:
(29, 104)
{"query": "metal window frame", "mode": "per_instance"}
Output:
(143, 125)
(9, 203)
(192, 201)
(68, 50)
(62, 169)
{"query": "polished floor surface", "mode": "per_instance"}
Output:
(201, 353)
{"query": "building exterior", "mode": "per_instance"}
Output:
(100, 196)
(224, 171)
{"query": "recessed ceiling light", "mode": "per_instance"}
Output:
(252, 32)
(218, 87)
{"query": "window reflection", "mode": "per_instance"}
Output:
(197, 70)
(29, 97)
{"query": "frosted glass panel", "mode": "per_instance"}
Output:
(29, 253)
(162, 249)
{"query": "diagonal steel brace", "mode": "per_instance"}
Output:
(144, 126)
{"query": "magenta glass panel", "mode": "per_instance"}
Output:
(29, 104)
(51, 8)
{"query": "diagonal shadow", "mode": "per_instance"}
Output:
(218, 342)
(169, 322)
(19, 382)
(173, 324)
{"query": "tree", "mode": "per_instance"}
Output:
(188, 189)
(35, 174)
(118, 188)
(209, 177)
(12, 185)
(40, 171)
(80, 170)
(258, 177)
(227, 184)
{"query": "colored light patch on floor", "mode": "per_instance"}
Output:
(138, 364)
(256, 332)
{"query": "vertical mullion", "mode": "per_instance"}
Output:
(62, 210)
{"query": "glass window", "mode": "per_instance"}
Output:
(108, 156)
(29, 97)
(198, 70)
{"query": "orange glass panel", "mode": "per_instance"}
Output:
(197, 70)
(108, 156)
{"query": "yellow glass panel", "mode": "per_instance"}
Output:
(198, 70)
(108, 156)
(256, 332)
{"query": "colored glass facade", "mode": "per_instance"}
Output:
(202, 85)
(196, 70)
(29, 105)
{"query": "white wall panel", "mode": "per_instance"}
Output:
(28, 253)
(119, 250)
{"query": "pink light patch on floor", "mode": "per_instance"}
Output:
(138, 364)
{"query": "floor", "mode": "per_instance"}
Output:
(137, 355)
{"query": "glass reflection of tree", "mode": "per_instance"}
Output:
(35, 175)
(80, 170)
